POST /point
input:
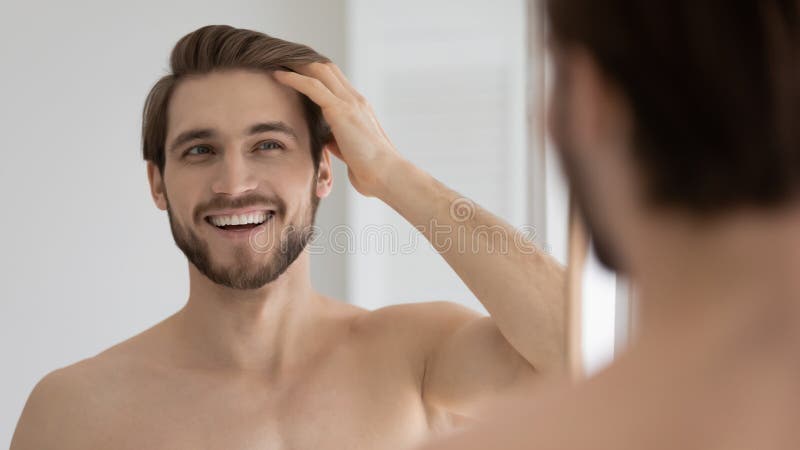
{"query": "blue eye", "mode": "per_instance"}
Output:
(276, 144)
(189, 152)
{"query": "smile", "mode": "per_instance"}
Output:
(240, 222)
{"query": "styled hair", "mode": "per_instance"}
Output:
(221, 47)
(714, 90)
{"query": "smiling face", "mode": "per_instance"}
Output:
(239, 184)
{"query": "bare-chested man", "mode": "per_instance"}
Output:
(257, 359)
(679, 124)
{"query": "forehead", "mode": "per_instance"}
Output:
(231, 100)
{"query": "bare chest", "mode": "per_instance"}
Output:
(335, 406)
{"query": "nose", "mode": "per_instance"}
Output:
(234, 175)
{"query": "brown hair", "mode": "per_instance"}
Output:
(219, 47)
(714, 86)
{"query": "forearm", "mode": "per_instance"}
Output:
(522, 288)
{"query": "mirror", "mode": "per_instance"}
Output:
(459, 90)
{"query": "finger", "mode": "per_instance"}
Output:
(310, 87)
(343, 80)
(324, 73)
(333, 147)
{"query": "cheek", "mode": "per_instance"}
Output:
(296, 191)
(183, 194)
(293, 173)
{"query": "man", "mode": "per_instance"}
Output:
(677, 122)
(257, 358)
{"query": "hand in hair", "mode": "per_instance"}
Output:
(358, 138)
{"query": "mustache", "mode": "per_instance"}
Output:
(254, 199)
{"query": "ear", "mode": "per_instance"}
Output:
(600, 112)
(156, 186)
(324, 173)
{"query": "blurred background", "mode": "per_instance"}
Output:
(88, 260)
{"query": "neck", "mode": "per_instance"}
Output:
(258, 330)
(722, 280)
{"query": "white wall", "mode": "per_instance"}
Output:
(449, 89)
(87, 260)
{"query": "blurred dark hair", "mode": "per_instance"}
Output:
(219, 47)
(714, 86)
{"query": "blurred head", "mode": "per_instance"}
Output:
(223, 139)
(675, 108)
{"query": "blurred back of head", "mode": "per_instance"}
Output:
(714, 90)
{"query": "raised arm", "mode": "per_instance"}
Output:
(521, 287)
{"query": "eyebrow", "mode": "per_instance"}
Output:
(207, 133)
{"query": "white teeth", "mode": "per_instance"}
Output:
(256, 218)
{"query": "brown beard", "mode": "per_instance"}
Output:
(575, 171)
(244, 274)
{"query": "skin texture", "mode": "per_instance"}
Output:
(278, 365)
(715, 361)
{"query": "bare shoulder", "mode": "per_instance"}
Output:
(420, 325)
(60, 408)
(434, 314)
(69, 403)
